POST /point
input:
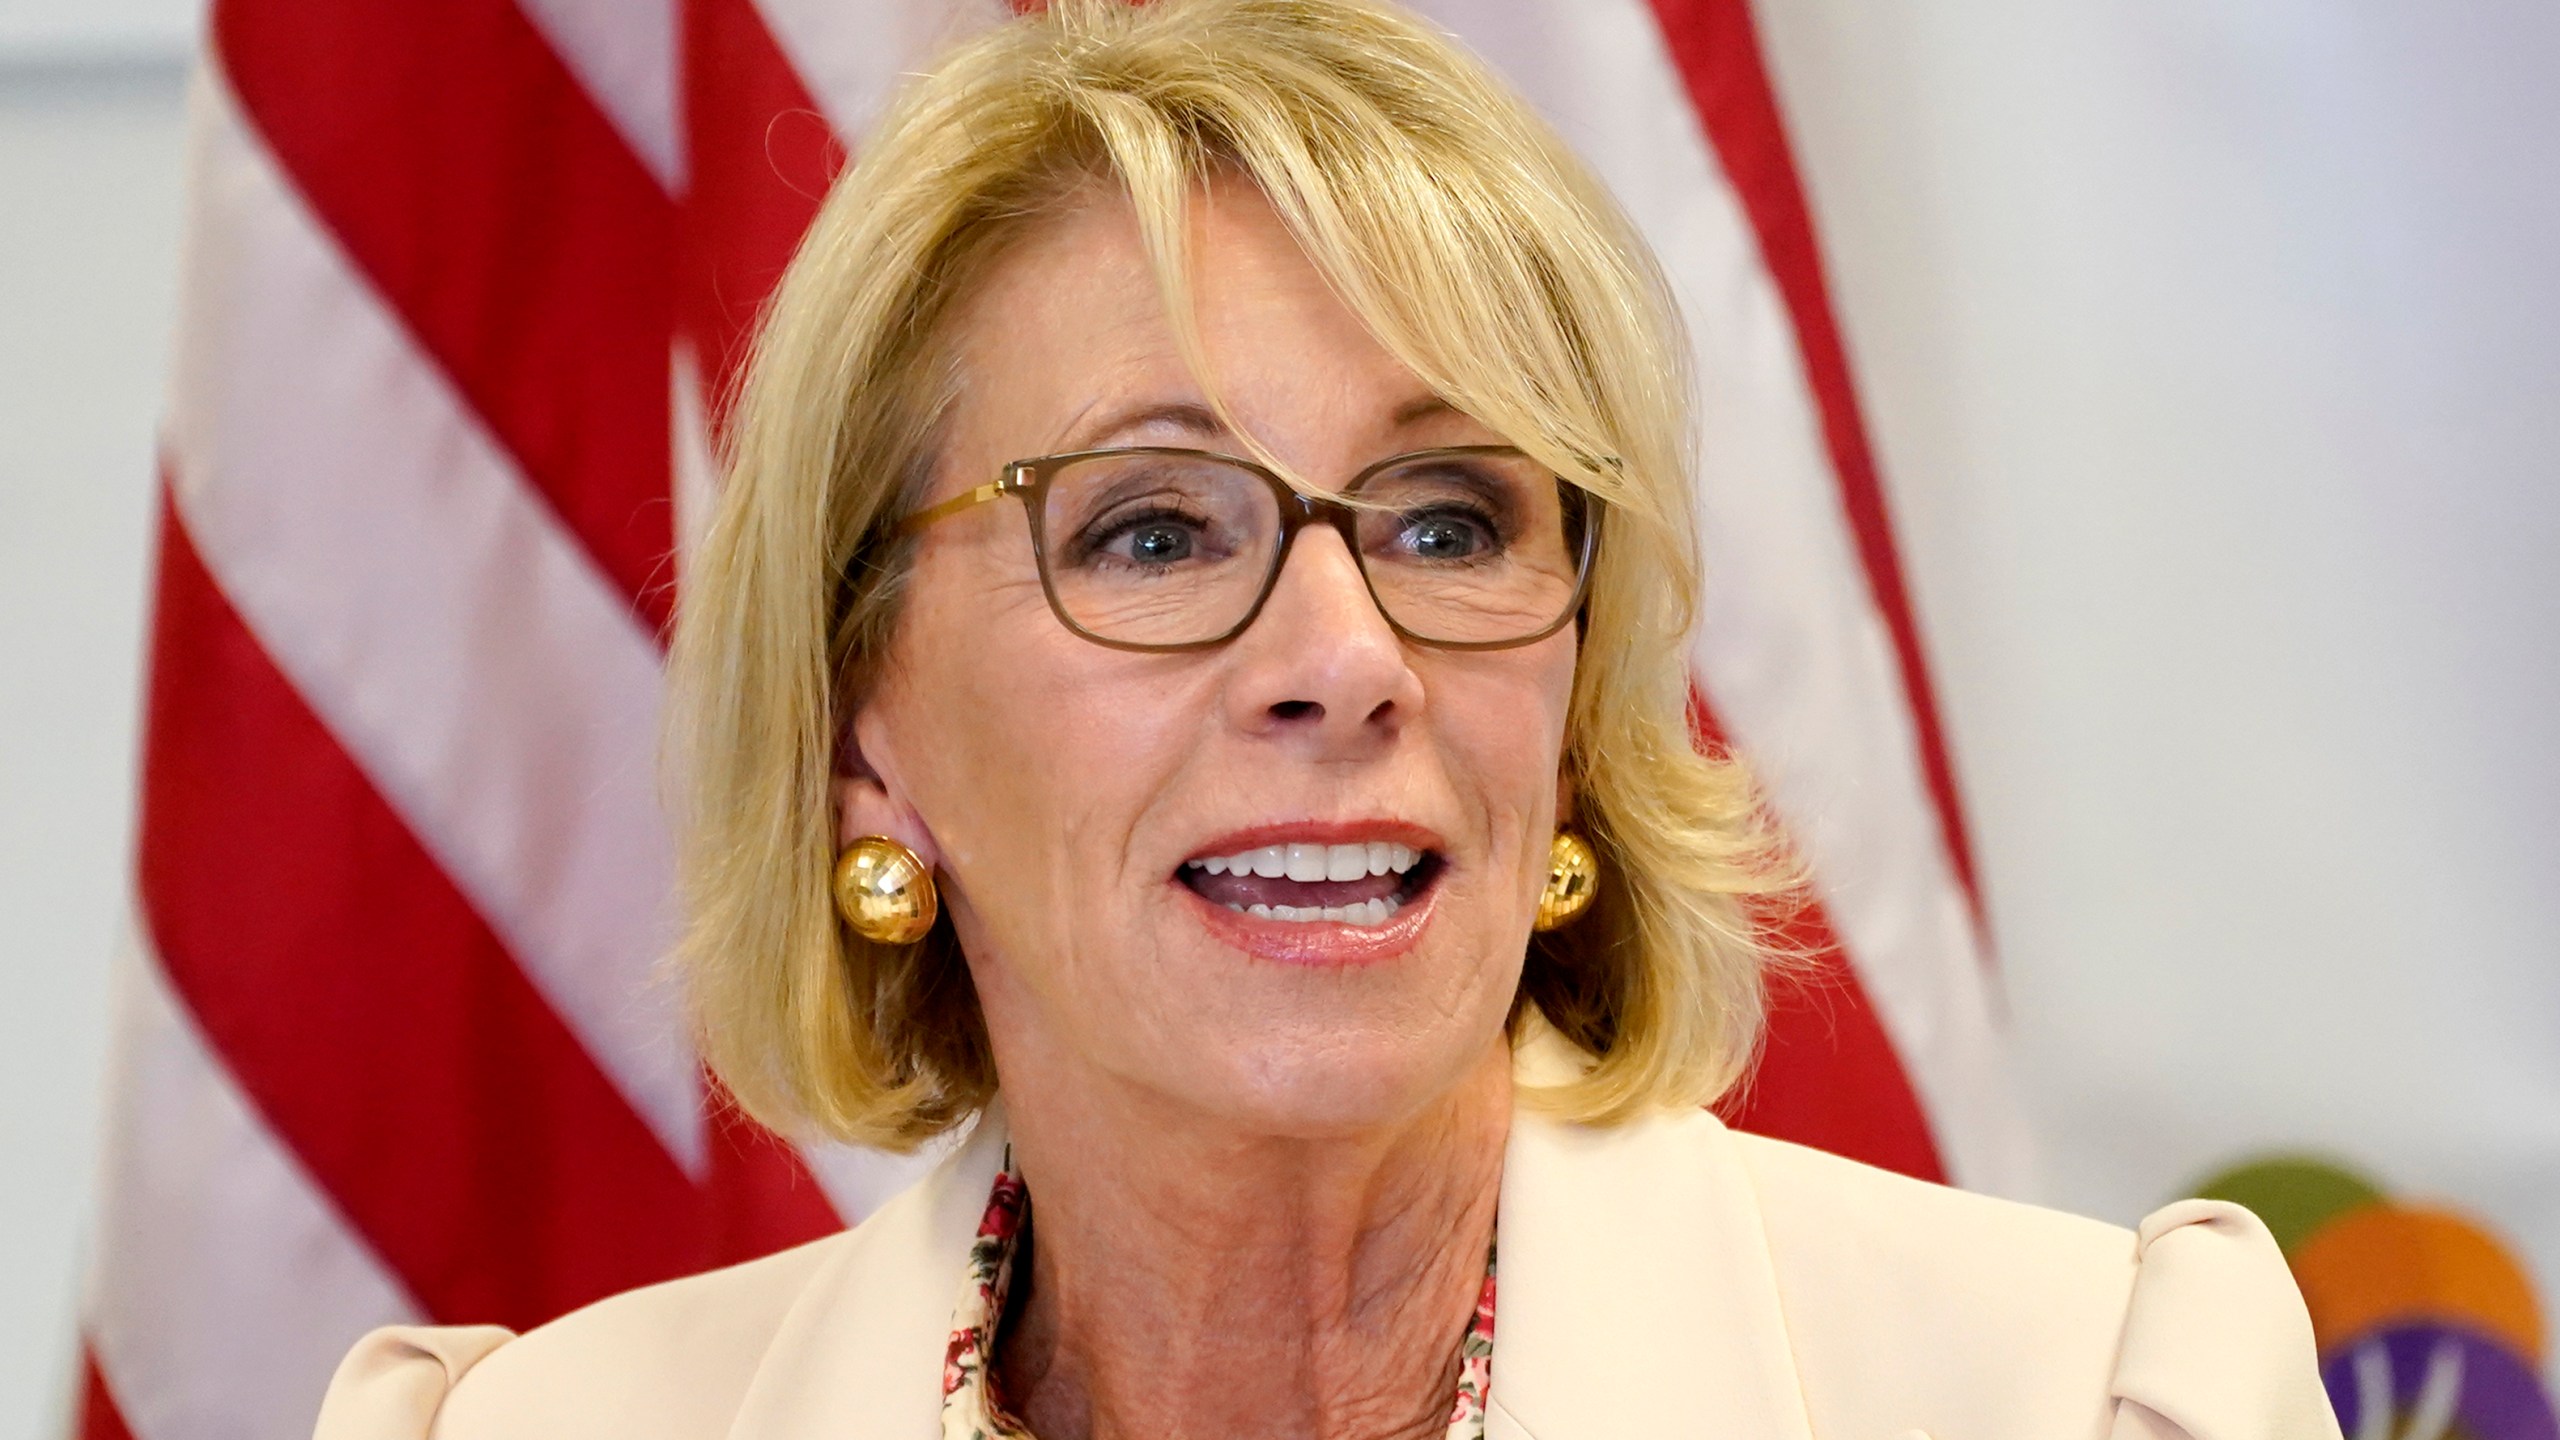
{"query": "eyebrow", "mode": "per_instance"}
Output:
(1202, 422)
(1187, 415)
(1426, 407)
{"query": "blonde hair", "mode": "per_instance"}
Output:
(1479, 252)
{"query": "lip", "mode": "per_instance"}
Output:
(1316, 944)
(1321, 832)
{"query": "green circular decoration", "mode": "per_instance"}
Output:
(2294, 1194)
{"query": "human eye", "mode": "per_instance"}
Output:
(1447, 532)
(1145, 539)
(1156, 533)
(1449, 512)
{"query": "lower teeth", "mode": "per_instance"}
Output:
(1366, 914)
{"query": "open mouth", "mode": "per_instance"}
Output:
(1361, 884)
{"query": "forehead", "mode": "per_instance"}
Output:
(1071, 325)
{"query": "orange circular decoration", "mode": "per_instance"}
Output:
(2383, 1264)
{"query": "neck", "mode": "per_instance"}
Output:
(1188, 1280)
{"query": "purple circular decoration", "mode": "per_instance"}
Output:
(2498, 1396)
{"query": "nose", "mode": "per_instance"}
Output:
(1320, 665)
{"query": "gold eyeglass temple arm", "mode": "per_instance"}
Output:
(957, 503)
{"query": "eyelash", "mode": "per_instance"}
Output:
(1497, 535)
(1098, 536)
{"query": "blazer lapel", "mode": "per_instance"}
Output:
(1636, 1292)
(860, 1355)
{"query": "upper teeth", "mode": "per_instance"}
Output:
(1315, 862)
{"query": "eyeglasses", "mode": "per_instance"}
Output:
(1472, 547)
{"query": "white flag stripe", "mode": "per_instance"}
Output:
(1797, 660)
(624, 53)
(226, 1287)
(696, 480)
(429, 607)
(852, 54)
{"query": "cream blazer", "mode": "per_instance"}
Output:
(1664, 1278)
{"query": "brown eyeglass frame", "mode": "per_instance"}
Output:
(1028, 481)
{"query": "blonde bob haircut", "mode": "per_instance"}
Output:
(1480, 253)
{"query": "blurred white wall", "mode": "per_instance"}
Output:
(89, 159)
(109, 33)
(2214, 355)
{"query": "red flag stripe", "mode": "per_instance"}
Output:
(97, 1418)
(205, 1218)
(497, 210)
(761, 156)
(369, 1014)
(359, 542)
(361, 1004)
(1716, 49)
(427, 604)
(854, 57)
(1827, 1074)
(624, 53)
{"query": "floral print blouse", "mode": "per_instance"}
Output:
(971, 1409)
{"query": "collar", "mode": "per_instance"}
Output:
(859, 1355)
(1638, 1295)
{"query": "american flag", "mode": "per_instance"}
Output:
(463, 279)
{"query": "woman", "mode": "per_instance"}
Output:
(1203, 583)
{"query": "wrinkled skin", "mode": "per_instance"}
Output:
(1263, 1174)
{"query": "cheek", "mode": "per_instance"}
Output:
(949, 727)
(1501, 721)
(1032, 754)
(1504, 732)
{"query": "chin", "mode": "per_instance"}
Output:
(1330, 1085)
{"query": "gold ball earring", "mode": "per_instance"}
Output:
(1573, 877)
(885, 892)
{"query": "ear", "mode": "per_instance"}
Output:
(1564, 797)
(868, 799)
